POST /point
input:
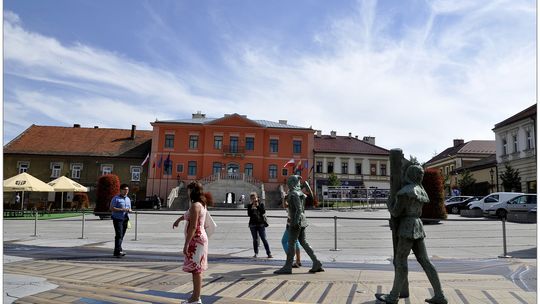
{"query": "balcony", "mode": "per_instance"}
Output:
(233, 151)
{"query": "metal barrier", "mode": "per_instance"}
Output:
(335, 219)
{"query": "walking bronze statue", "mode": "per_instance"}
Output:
(296, 199)
(406, 208)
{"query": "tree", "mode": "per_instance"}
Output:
(466, 183)
(333, 180)
(433, 184)
(107, 187)
(511, 181)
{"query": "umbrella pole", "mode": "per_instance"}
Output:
(62, 201)
(22, 201)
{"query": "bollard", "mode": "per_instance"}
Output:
(505, 255)
(35, 222)
(335, 235)
(83, 222)
(136, 225)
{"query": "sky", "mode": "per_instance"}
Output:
(413, 74)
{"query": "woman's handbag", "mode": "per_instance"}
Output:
(209, 224)
(265, 220)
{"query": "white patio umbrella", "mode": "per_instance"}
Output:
(25, 182)
(64, 184)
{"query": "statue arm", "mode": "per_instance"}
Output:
(294, 210)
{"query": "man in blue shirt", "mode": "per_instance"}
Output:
(120, 207)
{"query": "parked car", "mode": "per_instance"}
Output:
(455, 199)
(520, 203)
(491, 199)
(150, 202)
(455, 206)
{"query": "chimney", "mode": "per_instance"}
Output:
(76, 125)
(133, 128)
(350, 135)
(199, 114)
(356, 136)
(318, 134)
(96, 127)
(333, 134)
(282, 122)
(369, 140)
(458, 142)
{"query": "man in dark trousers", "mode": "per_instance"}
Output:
(120, 207)
(296, 199)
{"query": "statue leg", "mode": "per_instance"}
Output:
(401, 266)
(419, 249)
(287, 268)
(317, 265)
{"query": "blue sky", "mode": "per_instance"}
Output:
(414, 74)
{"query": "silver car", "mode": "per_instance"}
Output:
(520, 203)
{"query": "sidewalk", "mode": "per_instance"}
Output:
(93, 276)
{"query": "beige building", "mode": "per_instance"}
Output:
(516, 145)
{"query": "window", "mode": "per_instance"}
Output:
(216, 168)
(192, 168)
(234, 144)
(218, 142)
(167, 166)
(76, 171)
(344, 168)
(446, 170)
(383, 169)
(272, 171)
(297, 146)
(358, 168)
(330, 167)
(318, 167)
(373, 169)
(56, 169)
(250, 143)
(179, 168)
(284, 172)
(515, 143)
(274, 145)
(23, 166)
(529, 140)
(106, 169)
(136, 173)
(504, 147)
(193, 141)
(451, 168)
(169, 141)
(248, 170)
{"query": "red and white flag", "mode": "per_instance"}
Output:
(146, 159)
(289, 163)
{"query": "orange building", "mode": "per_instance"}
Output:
(232, 146)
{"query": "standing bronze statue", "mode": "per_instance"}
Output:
(296, 199)
(407, 209)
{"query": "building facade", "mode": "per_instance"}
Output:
(516, 145)
(355, 162)
(82, 154)
(461, 155)
(232, 146)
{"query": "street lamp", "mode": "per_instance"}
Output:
(491, 172)
(177, 179)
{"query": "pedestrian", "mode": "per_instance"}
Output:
(285, 238)
(196, 241)
(296, 199)
(257, 224)
(17, 200)
(120, 207)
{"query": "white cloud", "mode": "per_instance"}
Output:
(417, 91)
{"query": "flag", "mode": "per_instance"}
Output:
(289, 163)
(298, 166)
(167, 162)
(145, 160)
(160, 161)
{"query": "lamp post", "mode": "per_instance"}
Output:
(491, 172)
(177, 179)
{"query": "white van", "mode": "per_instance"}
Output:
(493, 198)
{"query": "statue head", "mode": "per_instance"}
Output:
(414, 175)
(293, 182)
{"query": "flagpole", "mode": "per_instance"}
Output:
(154, 177)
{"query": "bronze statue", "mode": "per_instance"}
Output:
(407, 208)
(296, 199)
